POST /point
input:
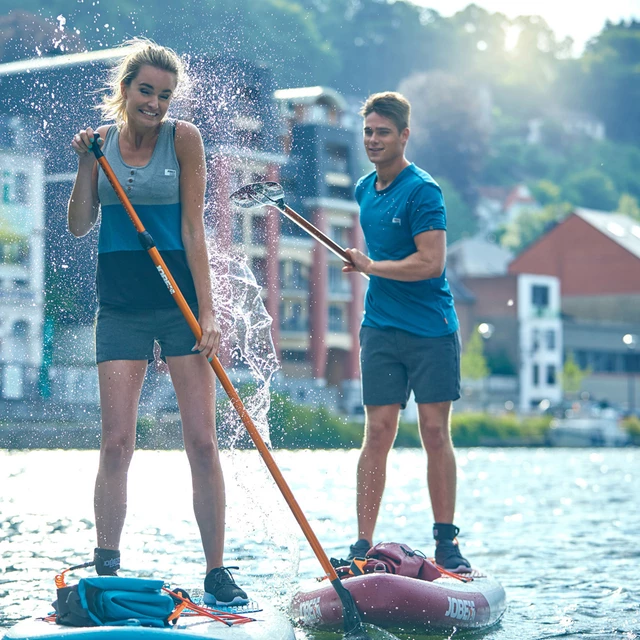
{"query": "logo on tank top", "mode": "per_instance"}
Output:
(170, 172)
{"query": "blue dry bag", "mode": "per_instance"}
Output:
(112, 600)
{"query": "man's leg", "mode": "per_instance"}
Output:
(441, 478)
(441, 461)
(381, 425)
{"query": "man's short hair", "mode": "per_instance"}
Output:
(389, 104)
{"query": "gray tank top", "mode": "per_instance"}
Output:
(126, 274)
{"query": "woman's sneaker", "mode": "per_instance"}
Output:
(221, 589)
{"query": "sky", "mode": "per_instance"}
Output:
(565, 17)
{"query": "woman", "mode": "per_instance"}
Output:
(161, 164)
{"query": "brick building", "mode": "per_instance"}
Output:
(596, 257)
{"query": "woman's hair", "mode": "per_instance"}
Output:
(389, 104)
(139, 52)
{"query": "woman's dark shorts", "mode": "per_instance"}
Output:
(395, 362)
(130, 334)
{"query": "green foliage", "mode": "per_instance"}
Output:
(572, 375)
(545, 192)
(629, 206)
(473, 364)
(461, 222)
(530, 225)
(450, 132)
(592, 189)
(477, 429)
(612, 80)
(631, 425)
(294, 426)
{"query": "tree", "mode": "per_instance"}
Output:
(461, 222)
(592, 189)
(529, 225)
(473, 364)
(572, 376)
(450, 130)
(629, 206)
(611, 83)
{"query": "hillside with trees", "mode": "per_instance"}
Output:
(497, 101)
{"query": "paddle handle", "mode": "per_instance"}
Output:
(217, 367)
(321, 237)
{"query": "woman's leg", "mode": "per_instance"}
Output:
(194, 383)
(120, 386)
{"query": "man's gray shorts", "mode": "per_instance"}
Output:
(395, 362)
(129, 334)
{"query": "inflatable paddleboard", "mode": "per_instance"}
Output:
(405, 604)
(265, 624)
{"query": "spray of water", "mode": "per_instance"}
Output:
(259, 512)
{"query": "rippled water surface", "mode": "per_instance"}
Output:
(559, 528)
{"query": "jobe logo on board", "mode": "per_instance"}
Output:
(166, 280)
(461, 609)
(310, 611)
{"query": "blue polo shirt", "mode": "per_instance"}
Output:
(390, 220)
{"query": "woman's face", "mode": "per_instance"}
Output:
(148, 96)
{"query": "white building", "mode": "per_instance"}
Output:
(540, 337)
(21, 264)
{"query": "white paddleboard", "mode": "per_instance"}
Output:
(268, 624)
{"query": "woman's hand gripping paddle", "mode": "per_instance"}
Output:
(352, 623)
(260, 194)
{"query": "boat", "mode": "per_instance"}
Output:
(403, 604)
(264, 624)
(588, 431)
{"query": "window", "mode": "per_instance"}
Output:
(238, 228)
(535, 340)
(258, 230)
(551, 374)
(337, 158)
(259, 268)
(550, 336)
(294, 275)
(540, 296)
(536, 375)
(338, 282)
(293, 316)
(336, 318)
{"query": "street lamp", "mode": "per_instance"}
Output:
(486, 331)
(631, 340)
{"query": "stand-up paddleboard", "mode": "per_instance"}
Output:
(266, 624)
(406, 604)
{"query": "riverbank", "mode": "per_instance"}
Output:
(292, 427)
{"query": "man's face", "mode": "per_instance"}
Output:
(383, 142)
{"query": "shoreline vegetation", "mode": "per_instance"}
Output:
(292, 426)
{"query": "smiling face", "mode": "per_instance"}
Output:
(148, 96)
(383, 142)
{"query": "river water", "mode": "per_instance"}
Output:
(559, 528)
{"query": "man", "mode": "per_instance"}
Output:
(409, 336)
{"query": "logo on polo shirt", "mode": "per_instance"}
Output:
(170, 172)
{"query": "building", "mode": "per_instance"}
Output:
(525, 337)
(596, 257)
(21, 261)
(251, 133)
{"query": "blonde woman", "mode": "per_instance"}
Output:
(160, 162)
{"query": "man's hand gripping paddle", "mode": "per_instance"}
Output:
(261, 194)
(353, 626)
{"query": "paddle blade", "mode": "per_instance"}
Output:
(353, 627)
(259, 194)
